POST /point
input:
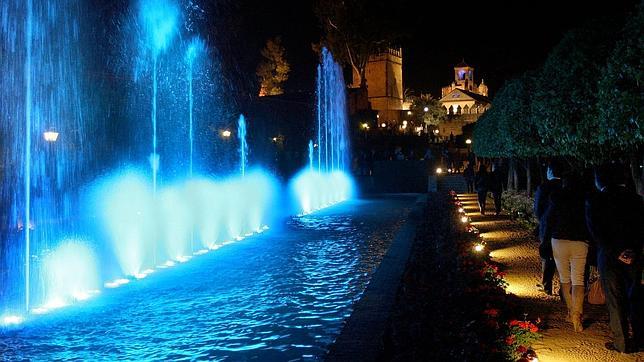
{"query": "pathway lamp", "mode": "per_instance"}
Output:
(226, 133)
(439, 171)
(468, 141)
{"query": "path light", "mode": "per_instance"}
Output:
(226, 133)
(479, 247)
(383, 125)
(439, 170)
(464, 219)
(426, 109)
(365, 126)
(50, 136)
(436, 131)
(409, 113)
(468, 141)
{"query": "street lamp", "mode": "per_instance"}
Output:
(50, 136)
(226, 133)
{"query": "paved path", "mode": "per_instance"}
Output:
(517, 249)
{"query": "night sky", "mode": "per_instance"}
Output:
(499, 40)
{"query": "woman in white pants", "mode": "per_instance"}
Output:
(565, 219)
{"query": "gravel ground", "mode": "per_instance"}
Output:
(516, 248)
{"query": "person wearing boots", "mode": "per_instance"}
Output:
(496, 186)
(541, 199)
(482, 181)
(615, 217)
(566, 223)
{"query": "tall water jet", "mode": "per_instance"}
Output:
(40, 91)
(159, 19)
(311, 155)
(331, 110)
(195, 48)
(243, 145)
(330, 183)
(27, 160)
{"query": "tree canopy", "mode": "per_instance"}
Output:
(353, 30)
(584, 104)
(434, 114)
(273, 70)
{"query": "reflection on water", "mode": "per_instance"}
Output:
(280, 296)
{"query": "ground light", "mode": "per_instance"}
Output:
(439, 170)
(464, 219)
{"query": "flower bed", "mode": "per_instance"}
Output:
(452, 304)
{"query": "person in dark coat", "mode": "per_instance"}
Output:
(482, 181)
(565, 221)
(469, 175)
(615, 218)
(496, 187)
(541, 200)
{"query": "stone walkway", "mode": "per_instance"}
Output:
(516, 248)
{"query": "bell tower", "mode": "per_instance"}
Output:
(464, 76)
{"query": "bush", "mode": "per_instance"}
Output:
(520, 208)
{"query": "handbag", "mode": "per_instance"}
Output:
(595, 291)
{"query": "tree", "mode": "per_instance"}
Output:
(565, 99)
(620, 122)
(273, 70)
(426, 109)
(353, 30)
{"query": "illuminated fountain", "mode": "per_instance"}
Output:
(196, 48)
(72, 226)
(327, 182)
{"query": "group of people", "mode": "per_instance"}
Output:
(485, 182)
(603, 228)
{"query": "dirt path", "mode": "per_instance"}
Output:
(516, 248)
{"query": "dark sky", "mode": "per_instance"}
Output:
(500, 40)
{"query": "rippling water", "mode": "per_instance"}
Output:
(280, 296)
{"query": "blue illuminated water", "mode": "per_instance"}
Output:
(195, 49)
(315, 188)
(279, 296)
(243, 144)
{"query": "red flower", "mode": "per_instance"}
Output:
(534, 329)
(521, 349)
(514, 323)
(509, 340)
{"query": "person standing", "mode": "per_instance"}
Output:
(468, 174)
(541, 200)
(496, 186)
(565, 222)
(615, 217)
(482, 185)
